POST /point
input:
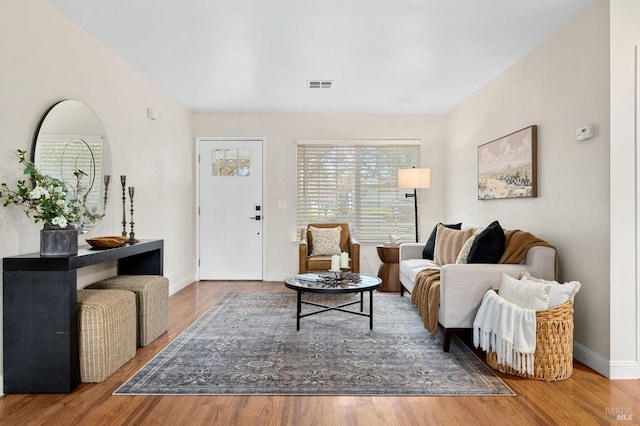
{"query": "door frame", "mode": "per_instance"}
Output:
(263, 142)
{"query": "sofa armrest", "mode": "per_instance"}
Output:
(411, 251)
(541, 262)
(462, 287)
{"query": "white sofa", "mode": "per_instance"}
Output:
(463, 285)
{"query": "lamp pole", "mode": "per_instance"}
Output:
(413, 179)
(415, 208)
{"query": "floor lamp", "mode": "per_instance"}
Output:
(414, 179)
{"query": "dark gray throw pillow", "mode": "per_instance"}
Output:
(488, 247)
(430, 247)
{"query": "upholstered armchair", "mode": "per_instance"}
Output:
(329, 240)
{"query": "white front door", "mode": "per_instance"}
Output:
(231, 215)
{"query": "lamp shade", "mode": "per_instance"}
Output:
(414, 178)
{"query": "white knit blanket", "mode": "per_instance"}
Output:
(506, 329)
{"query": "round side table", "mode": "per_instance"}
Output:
(389, 271)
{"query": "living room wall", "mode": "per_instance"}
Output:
(283, 130)
(47, 58)
(558, 86)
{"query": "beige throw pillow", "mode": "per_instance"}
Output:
(325, 241)
(560, 293)
(526, 294)
(449, 242)
(466, 248)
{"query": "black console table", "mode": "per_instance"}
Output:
(40, 320)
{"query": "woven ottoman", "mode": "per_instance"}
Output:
(152, 297)
(106, 332)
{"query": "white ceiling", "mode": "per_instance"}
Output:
(383, 56)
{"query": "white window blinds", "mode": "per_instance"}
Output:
(357, 182)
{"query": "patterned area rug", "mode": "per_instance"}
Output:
(248, 344)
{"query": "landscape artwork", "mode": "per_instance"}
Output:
(507, 166)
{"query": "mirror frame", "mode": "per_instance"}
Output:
(73, 132)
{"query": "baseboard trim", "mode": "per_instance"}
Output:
(176, 287)
(613, 370)
(277, 276)
(624, 370)
(591, 359)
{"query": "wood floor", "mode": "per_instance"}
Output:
(586, 398)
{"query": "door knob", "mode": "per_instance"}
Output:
(256, 217)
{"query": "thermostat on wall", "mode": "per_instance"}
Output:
(584, 132)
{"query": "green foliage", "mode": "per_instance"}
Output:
(43, 198)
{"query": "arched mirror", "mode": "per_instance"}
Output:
(71, 145)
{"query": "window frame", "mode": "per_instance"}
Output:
(403, 224)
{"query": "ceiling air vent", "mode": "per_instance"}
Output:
(319, 84)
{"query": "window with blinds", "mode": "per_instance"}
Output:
(357, 182)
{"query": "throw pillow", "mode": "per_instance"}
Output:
(325, 241)
(526, 294)
(560, 293)
(449, 242)
(488, 247)
(464, 252)
(430, 246)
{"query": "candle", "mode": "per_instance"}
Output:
(335, 262)
(344, 260)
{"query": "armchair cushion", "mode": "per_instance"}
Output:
(325, 241)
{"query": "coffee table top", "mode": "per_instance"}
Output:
(325, 282)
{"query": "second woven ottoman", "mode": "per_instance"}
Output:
(152, 299)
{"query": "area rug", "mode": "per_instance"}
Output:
(248, 344)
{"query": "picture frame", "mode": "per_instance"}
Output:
(507, 167)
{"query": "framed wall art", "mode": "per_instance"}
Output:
(507, 166)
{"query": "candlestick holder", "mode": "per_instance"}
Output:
(107, 179)
(123, 181)
(132, 235)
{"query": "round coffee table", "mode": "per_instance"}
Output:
(328, 284)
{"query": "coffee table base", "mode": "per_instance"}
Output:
(335, 308)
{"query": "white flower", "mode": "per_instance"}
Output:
(38, 192)
(61, 203)
(61, 221)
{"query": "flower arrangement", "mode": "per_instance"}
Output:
(44, 198)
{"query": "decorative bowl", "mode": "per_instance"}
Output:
(103, 243)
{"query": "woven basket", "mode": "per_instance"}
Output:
(553, 358)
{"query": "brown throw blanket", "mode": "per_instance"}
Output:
(426, 292)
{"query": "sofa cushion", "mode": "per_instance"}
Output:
(415, 271)
(411, 267)
(560, 293)
(449, 242)
(488, 247)
(430, 246)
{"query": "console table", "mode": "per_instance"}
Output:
(40, 320)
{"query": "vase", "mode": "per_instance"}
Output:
(57, 241)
